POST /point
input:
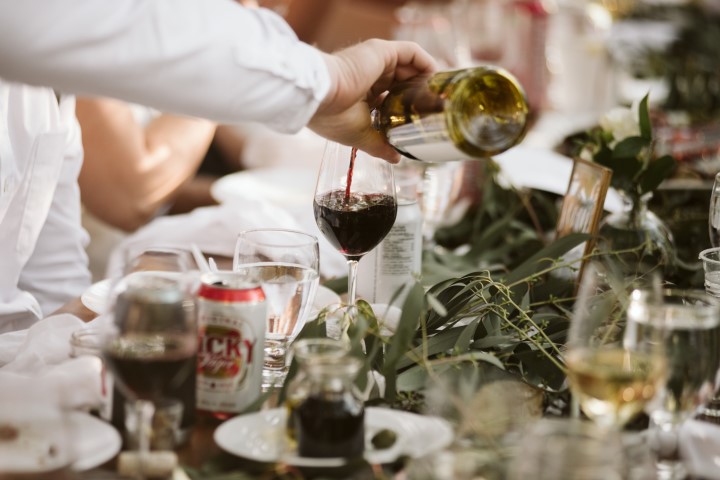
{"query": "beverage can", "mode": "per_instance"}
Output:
(231, 317)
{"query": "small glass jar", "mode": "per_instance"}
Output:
(326, 416)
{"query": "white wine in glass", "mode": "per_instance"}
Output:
(614, 369)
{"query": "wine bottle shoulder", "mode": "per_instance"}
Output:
(446, 116)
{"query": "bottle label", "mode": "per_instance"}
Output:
(426, 138)
(392, 265)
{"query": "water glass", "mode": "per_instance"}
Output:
(286, 263)
(714, 213)
(711, 265)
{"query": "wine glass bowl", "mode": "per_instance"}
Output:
(690, 324)
(614, 368)
(355, 204)
(286, 263)
(151, 347)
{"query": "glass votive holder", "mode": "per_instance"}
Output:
(711, 266)
(88, 341)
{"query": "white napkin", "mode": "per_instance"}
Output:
(215, 230)
(700, 447)
(37, 361)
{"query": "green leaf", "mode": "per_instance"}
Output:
(405, 331)
(463, 343)
(645, 125)
(440, 343)
(545, 257)
(657, 171)
(629, 147)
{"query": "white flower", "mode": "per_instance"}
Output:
(622, 122)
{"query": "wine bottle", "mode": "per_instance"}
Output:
(471, 113)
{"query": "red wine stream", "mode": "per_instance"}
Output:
(351, 167)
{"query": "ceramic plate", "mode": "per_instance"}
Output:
(284, 186)
(260, 436)
(94, 441)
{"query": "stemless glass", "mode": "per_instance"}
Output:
(614, 369)
(287, 264)
(714, 213)
(690, 324)
(151, 346)
(355, 204)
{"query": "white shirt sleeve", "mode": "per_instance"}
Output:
(207, 58)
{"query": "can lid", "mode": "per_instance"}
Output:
(230, 287)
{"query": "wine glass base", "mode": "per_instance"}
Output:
(273, 380)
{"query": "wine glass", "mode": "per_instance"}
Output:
(714, 213)
(614, 369)
(151, 346)
(287, 264)
(355, 204)
(690, 324)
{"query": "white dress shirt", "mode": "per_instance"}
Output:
(209, 58)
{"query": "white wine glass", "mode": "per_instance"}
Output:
(287, 264)
(689, 321)
(150, 347)
(614, 369)
(714, 213)
(355, 204)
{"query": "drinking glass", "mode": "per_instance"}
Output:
(690, 324)
(552, 449)
(151, 346)
(287, 264)
(355, 204)
(614, 369)
(711, 266)
(714, 213)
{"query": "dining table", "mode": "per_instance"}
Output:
(200, 457)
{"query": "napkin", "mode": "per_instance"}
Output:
(36, 362)
(700, 447)
(215, 230)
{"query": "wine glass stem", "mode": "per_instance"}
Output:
(352, 281)
(144, 410)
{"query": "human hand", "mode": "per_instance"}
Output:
(360, 75)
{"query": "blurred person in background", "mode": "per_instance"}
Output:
(209, 59)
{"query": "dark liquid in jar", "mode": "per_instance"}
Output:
(329, 428)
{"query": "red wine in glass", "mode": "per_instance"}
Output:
(355, 226)
(355, 204)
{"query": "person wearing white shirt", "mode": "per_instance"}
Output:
(211, 59)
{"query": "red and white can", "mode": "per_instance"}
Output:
(231, 318)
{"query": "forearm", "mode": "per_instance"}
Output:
(211, 59)
(130, 171)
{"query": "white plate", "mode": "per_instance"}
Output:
(284, 186)
(95, 296)
(260, 436)
(94, 441)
